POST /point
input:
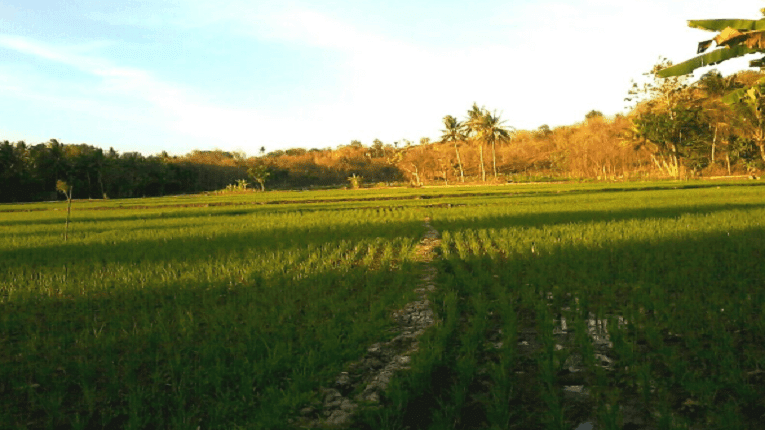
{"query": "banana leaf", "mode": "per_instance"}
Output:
(750, 39)
(722, 24)
(703, 46)
(735, 96)
(760, 62)
(708, 59)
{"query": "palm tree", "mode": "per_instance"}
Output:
(472, 128)
(453, 133)
(486, 127)
(493, 131)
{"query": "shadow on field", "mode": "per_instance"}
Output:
(698, 340)
(190, 354)
(190, 249)
(541, 219)
(342, 203)
(185, 354)
(81, 216)
(219, 245)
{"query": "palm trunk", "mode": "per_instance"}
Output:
(459, 163)
(494, 159)
(483, 168)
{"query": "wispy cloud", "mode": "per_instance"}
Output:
(178, 109)
(536, 62)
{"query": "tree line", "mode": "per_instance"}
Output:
(30, 172)
(674, 129)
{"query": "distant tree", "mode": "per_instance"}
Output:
(544, 130)
(453, 133)
(355, 181)
(719, 115)
(424, 141)
(66, 190)
(494, 131)
(472, 129)
(593, 114)
(259, 172)
(378, 148)
(661, 103)
(487, 128)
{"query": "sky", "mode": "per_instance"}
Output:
(179, 75)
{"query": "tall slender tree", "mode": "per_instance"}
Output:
(453, 133)
(472, 129)
(486, 128)
(493, 131)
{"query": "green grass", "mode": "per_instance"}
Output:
(193, 317)
(227, 311)
(685, 269)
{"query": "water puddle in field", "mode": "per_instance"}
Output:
(574, 376)
(382, 360)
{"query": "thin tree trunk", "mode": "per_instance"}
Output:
(494, 158)
(483, 169)
(714, 141)
(90, 185)
(727, 160)
(416, 174)
(658, 166)
(101, 184)
(68, 214)
(459, 163)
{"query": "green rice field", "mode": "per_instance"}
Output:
(558, 306)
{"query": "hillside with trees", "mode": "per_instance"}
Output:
(674, 130)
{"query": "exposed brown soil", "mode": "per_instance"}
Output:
(370, 376)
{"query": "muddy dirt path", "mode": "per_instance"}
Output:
(382, 360)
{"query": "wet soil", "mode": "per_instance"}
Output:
(370, 376)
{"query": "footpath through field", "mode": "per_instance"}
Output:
(382, 360)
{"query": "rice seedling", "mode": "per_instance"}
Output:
(620, 305)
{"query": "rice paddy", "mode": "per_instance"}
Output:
(557, 306)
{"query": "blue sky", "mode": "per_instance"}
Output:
(178, 75)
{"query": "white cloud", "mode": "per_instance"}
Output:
(542, 62)
(179, 109)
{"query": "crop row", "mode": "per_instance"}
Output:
(145, 319)
(612, 310)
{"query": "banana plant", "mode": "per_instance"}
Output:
(750, 102)
(736, 37)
